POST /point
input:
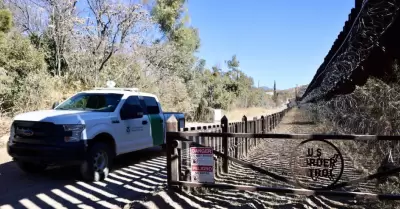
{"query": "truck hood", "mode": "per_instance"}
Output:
(62, 116)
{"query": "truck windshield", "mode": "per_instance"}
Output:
(91, 102)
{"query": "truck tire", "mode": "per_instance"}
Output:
(97, 164)
(30, 167)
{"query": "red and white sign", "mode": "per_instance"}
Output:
(202, 163)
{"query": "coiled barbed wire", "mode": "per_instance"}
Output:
(373, 20)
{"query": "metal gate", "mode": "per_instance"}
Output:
(317, 163)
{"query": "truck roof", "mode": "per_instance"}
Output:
(125, 91)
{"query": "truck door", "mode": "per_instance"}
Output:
(156, 120)
(136, 125)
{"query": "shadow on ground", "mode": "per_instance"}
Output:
(300, 123)
(134, 176)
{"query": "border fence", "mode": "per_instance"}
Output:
(178, 154)
(231, 142)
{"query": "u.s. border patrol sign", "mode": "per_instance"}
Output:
(202, 164)
(317, 164)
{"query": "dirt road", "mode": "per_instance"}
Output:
(135, 175)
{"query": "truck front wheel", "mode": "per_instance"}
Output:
(30, 167)
(98, 163)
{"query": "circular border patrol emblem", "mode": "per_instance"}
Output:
(316, 164)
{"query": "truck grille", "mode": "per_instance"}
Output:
(37, 132)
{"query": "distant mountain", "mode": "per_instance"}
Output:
(266, 88)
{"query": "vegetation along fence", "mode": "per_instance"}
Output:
(317, 165)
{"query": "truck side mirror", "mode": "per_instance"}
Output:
(55, 104)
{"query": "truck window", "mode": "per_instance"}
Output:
(133, 103)
(92, 102)
(151, 105)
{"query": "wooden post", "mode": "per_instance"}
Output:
(270, 122)
(236, 142)
(255, 129)
(205, 139)
(273, 120)
(224, 126)
(212, 139)
(244, 119)
(262, 124)
(198, 138)
(172, 152)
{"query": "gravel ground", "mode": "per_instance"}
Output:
(272, 155)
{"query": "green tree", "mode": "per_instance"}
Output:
(5, 20)
(18, 59)
(233, 64)
(167, 12)
(275, 95)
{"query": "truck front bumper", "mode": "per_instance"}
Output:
(66, 153)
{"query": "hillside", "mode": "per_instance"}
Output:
(291, 91)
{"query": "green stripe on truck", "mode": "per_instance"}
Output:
(157, 132)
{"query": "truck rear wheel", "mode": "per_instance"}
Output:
(97, 164)
(30, 167)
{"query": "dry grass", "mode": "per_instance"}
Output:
(5, 123)
(237, 114)
(371, 109)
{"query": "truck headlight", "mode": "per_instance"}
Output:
(73, 132)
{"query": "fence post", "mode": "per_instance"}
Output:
(205, 139)
(254, 140)
(244, 119)
(198, 138)
(172, 152)
(270, 122)
(262, 124)
(236, 142)
(224, 126)
(273, 121)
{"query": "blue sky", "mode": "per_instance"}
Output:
(282, 40)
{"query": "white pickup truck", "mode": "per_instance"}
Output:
(89, 129)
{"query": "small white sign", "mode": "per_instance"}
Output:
(217, 115)
(202, 164)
